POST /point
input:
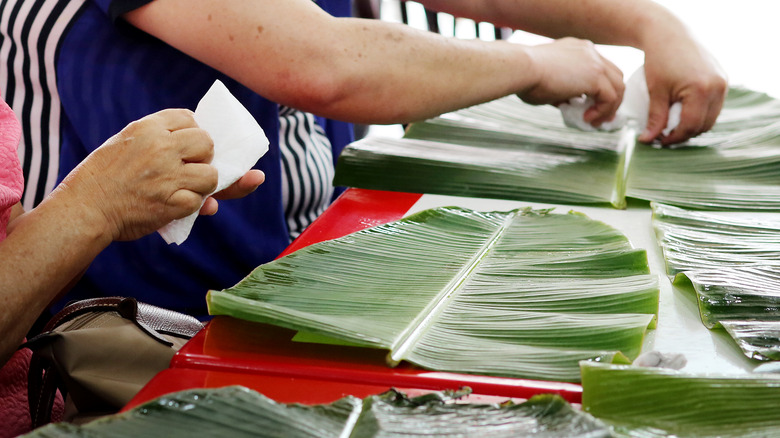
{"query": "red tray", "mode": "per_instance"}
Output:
(283, 389)
(265, 352)
(233, 345)
(354, 210)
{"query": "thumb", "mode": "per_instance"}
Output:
(657, 115)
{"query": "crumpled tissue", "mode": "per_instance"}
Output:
(635, 106)
(238, 143)
(656, 359)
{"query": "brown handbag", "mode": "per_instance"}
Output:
(99, 353)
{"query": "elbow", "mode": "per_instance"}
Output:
(347, 99)
(323, 92)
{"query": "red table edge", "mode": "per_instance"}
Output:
(180, 379)
(430, 380)
(343, 219)
(347, 215)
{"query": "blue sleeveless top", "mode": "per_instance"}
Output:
(109, 74)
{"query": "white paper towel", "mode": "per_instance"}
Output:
(238, 143)
(635, 106)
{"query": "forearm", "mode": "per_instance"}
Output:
(390, 73)
(350, 69)
(153, 171)
(635, 23)
(48, 247)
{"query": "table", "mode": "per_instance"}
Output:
(264, 357)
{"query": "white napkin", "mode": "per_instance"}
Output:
(635, 106)
(673, 361)
(238, 143)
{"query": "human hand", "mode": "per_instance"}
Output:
(568, 68)
(153, 171)
(244, 186)
(684, 72)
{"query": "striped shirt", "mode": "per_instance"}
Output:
(30, 32)
(307, 168)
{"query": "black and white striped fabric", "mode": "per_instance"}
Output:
(29, 29)
(307, 168)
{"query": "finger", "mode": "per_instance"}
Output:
(608, 96)
(606, 104)
(210, 207)
(183, 203)
(692, 119)
(243, 186)
(716, 104)
(196, 145)
(198, 177)
(175, 119)
(657, 117)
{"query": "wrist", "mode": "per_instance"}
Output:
(531, 69)
(80, 214)
(661, 28)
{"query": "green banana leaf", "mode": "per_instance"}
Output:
(655, 402)
(522, 293)
(510, 150)
(515, 160)
(239, 412)
(733, 264)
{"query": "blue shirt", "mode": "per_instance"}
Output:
(110, 74)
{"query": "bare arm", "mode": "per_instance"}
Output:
(367, 70)
(677, 67)
(152, 172)
(49, 246)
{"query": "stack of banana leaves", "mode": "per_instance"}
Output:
(510, 150)
(524, 293)
(732, 262)
(618, 401)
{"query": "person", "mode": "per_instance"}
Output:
(289, 60)
(153, 171)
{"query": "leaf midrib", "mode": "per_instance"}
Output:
(409, 336)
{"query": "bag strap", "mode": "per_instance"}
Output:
(154, 321)
(44, 381)
(42, 385)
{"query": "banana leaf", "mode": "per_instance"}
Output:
(733, 264)
(655, 402)
(458, 155)
(240, 412)
(525, 293)
(510, 150)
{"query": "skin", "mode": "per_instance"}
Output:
(378, 72)
(381, 72)
(153, 171)
(677, 67)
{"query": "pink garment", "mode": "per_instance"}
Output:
(14, 412)
(11, 180)
(14, 409)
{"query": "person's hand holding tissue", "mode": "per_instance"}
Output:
(155, 170)
(568, 68)
(150, 173)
